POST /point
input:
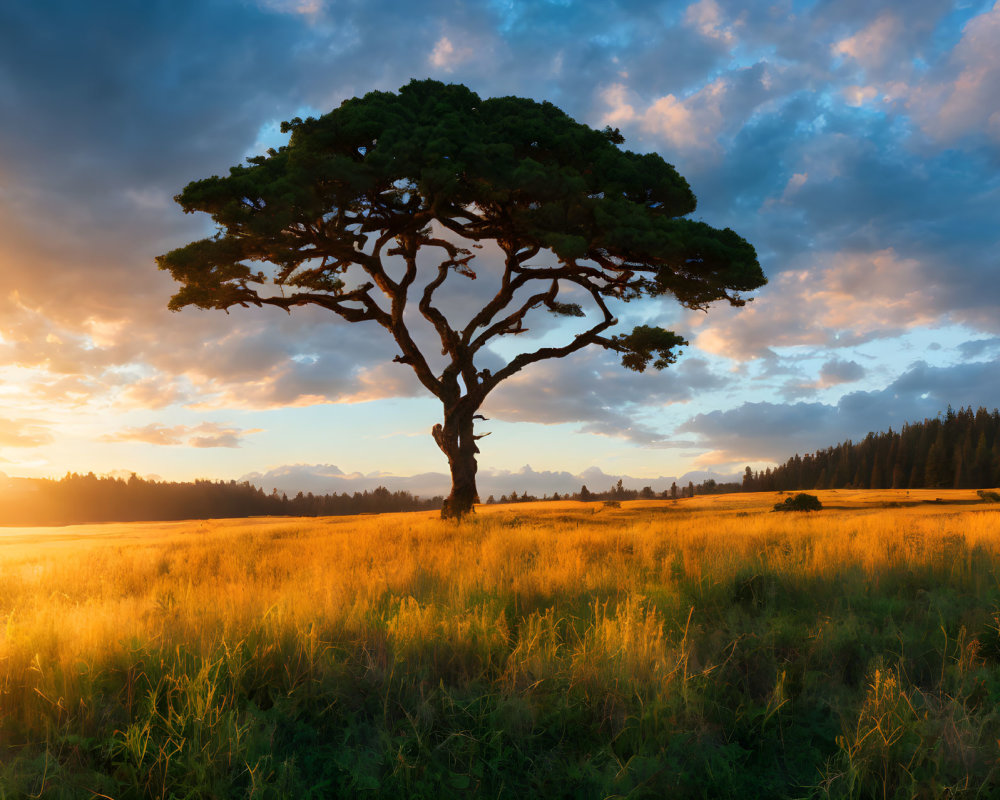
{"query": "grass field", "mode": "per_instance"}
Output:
(695, 648)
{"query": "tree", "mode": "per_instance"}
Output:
(433, 170)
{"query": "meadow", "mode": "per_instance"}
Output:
(695, 648)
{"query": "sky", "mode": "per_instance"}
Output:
(854, 144)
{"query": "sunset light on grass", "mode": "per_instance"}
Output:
(551, 649)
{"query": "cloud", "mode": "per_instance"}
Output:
(24, 433)
(207, 434)
(151, 393)
(690, 124)
(859, 95)
(836, 372)
(448, 56)
(833, 373)
(951, 110)
(706, 17)
(305, 8)
(695, 124)
(855, 152)
(951, 99)
(851, 299)
(592, 388)
(765, 431)
(979, 347)
(326, 478)
(873, 45)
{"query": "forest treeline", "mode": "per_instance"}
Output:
(77, 499)
(959, 450)
(618, 492)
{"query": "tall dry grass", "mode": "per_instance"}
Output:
(155, 655)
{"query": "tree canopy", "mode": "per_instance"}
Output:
(364, 188)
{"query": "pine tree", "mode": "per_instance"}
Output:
(936, 465)
(981, 463)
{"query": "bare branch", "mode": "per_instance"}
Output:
(512, 322)
(509, 284)
(590, 336)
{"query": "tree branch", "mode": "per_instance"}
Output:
(509, 284)
(590, 336)
(508, 323)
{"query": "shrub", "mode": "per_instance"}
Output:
(801, 502)
(989, 497)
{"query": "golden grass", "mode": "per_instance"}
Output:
(74, 595)
(614, 606)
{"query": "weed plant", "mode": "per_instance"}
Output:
(698, 648)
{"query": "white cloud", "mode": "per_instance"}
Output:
(858, 96)
(836, 372)
(956, 97)
(846, 299)
(207, 434)
(447, 56)
(326, 478)
(698, 124)
(705, 16)
(968, 102)
(24, 433)
(873, 45)
(621, 111)
(796, 182)
(304, 8)
(693, 123)
(690, 124)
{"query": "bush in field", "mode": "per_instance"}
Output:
(989, 497)
(801, 502)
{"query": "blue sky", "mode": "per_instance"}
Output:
(854, 144)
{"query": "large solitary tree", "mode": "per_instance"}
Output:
(338, 217)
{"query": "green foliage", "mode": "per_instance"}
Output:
(394, 162)
(505, 168)
(645, 342)
(436, 169)
(76, 499)
(800, 502)
(959, 450)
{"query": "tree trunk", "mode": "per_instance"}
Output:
(457, 442)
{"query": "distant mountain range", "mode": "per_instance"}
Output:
(327, 478)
